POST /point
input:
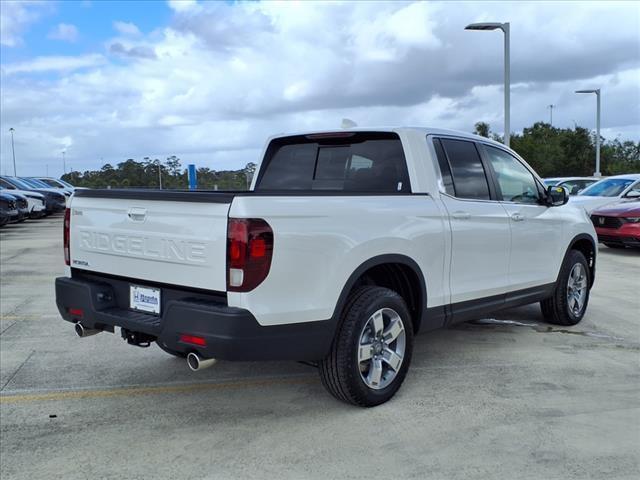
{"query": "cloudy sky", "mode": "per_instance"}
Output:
(208, 81)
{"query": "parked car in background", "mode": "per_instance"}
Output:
(8, 208)
(22, 204)
(618, 225)
(35, 201)
(57, 183)
(39, 184)
(574, 185)
(608, 191)
(54, 200)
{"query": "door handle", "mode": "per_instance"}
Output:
(461, 215)
(517, 217)
(137, 214)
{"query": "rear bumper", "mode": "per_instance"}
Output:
(230, 333)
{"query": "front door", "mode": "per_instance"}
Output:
(536, 229)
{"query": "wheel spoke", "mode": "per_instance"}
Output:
(378, 322)
(572, 304)
(579, 302)
(375, 372)
(392, 359)
(394, 329)
(575, 273)
(365, 352)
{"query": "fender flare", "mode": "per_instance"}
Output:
(592, 261)
(373, 262)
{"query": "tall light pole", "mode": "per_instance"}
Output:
(159, 174)
(550, 107)
(64, 162)
(597, 92)
(505, 27)
(13, 152)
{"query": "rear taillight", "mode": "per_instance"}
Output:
(249, 251)
(76, 312)
(65, 236)
(194, 340)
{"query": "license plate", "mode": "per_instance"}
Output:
(145, 299)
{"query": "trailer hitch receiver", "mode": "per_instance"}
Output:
(137, 338)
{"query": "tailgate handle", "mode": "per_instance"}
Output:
(137, 214)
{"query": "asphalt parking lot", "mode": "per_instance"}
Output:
(506, 398)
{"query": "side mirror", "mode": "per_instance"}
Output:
(557, 196)
(633, 194)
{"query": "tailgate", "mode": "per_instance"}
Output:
(165, 241)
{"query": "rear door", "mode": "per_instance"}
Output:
(164, 241)
(479, 224)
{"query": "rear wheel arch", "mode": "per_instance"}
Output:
(397, 272)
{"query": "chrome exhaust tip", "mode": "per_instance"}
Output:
(196, 362)
(81, 331)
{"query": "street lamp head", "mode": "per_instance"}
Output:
(485, 26)
(597, 90)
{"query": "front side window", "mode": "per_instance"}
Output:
(469, 178)
(634, 189)
(516, 182)
(353, 162)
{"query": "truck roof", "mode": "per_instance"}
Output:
(397, 129)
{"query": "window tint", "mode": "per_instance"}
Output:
(469, 179)
(290, 168)
(516, 182)
(366, 162)
(445, 169)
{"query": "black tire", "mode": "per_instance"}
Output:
(614, 245)
(340, 370)
(556, 309)
(171, 352)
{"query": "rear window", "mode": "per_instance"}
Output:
(343, 162)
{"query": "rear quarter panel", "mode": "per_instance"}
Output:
(319, 241)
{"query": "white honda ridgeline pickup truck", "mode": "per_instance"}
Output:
(346, 246)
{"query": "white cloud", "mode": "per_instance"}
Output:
(65, 32)
(53, 63)
(182, 5)
(127, 28)
(16, 17)
(211, 87)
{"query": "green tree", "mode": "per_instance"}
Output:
(482, 129)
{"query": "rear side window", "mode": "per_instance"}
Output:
(344, 162)
(445, 169)
(469, 178)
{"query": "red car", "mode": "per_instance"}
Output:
(618, 225)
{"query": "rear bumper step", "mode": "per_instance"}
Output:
(230, 333)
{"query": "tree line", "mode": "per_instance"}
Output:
(551, 151)
(153, 173)
(565, 152)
